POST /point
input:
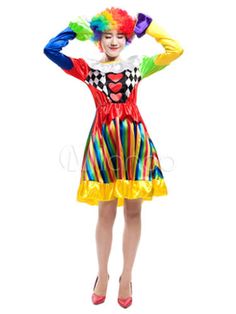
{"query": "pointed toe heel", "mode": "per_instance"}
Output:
(125, 302)
(97, 299)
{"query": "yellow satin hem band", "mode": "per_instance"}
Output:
(91, 192)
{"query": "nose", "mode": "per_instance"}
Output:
(114, 40)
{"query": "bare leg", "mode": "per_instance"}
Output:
(131, 237)
(106, 217)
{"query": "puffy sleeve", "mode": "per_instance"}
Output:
(76, 67)
(79, 69)
(151, 64)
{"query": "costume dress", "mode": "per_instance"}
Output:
(120, 159)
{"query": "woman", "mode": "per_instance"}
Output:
(120, 163)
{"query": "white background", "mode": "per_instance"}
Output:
(186, 258)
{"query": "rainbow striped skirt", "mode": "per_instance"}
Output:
(120, 161)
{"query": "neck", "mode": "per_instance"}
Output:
(108, 58)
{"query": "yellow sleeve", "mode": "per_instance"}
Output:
(157, 62)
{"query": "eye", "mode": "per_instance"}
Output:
(119, 36)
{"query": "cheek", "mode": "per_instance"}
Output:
(122, 44)
(100, 46)
(104, 42)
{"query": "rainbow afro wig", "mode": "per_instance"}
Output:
(112, 19)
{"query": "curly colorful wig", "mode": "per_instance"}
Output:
(110, 19)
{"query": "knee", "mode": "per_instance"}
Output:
(132, 209)
(107, 212)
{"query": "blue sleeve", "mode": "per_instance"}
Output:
(55, 45)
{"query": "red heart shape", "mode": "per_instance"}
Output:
(116, 97)
(115, 87)
(115, 77)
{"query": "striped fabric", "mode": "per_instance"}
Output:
(120, 158)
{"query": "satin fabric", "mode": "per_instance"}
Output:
(120, 160)
(92, 192)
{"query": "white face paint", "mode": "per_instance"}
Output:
(112, 43)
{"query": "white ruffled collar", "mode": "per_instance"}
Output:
(116, 67)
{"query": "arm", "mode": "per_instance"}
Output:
(76, 67)
(53, 48)
(157, 62)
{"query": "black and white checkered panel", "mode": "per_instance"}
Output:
(133, 77)
(98, 80)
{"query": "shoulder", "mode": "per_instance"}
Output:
(79, 68)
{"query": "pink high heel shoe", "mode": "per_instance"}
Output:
(98, 299)
(125, 302)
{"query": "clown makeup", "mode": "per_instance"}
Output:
(112, 43)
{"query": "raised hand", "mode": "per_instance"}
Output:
(143, 21)
(82, 29)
